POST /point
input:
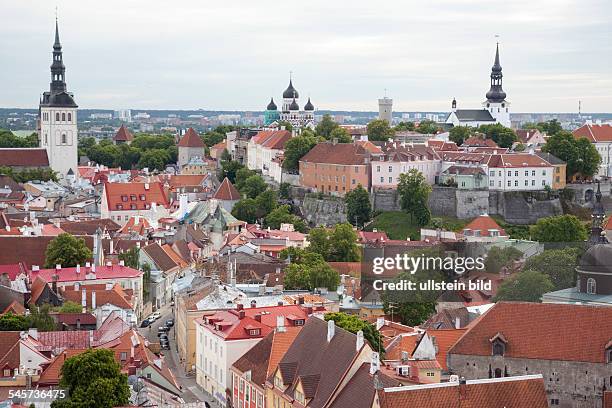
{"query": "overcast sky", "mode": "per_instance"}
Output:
(227, 55)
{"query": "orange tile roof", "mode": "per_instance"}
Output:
(37, 288)
(14, 308)
(226, 191)
(51, 374)
(281, 341)
(509, 392)
(543, 331)
(174, 256)
(272, 139)
(479, 141)
(132, 227)
(116, 296)
(514, 160)
(445, 339)
(191, 139)
(123, 135)
(595, 133)
(341, 153)
(127, 195)
(484, 223)
(405, 343)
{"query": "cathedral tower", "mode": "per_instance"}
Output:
(58, 118)
(496, 102)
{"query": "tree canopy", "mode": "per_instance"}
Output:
(526, 286)
(67, 250)
(358, 206)
(427, 127)
(580, 154)
(497, 258)
(353, 324)
(414, 194)
(93, 379)
(560, 228)
(310, 271)
(325, 127)
(282, 215)
(558, 264)
(503, 136)
(459, 134)
(380, 130)
(296, 148)
(9, 140)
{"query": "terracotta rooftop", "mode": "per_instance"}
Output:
(272, 139)
(101, 272)
(123, 135)
(541, 331)
(340, 153)
(475, 141)
(134, 196)
(191, 139)
(24, 157)
(226, 191)
(595, 133)
(484, 224)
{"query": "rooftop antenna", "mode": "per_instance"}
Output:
(580, 109)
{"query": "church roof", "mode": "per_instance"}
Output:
(24, 157)
(309, 106)
(123, 135)
(226, 191)
(472, 115)
(291, 92)
(271, 106)
(191, 139)
(294, 106)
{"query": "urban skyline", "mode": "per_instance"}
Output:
(197, 58)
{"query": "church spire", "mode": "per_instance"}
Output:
(496, 94)
(56, 44)
(598, 216)
(58, 70)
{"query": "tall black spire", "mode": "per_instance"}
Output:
(496, 94)
(58, 70)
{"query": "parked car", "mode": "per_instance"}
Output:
(155, 316)
(165, 346)
(163, 338)
(170, 322)
(145, 323)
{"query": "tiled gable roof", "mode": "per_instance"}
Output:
(272, 139)
(123, 135)
(191, 139)
(508, 392)
(24, 157)
(477, 141)
(226, 191)
(484, 224)
(542, 331)
(134, 196)
(514, 160)
(160, 257)
(71, 274)
(595, 133)
(360, 390)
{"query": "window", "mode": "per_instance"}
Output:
(533, 182)
(491, 183)
(124, 198)
(543, 182)
(509, 173)
(515, 183)
(499, 183)
(554, 401)
(516, 173)
(500, 173)
(390, 169)
(509, 183)
(64, 141)
(123, 356)
(492, 173)
(63, 117)
(499, 348)
(378, 169)
(254, 332)
(133, 206)
(356, 169)
(133, 197)
(498, 373)
(533, 173)
(382, 180)
(354, 182)
(526, 173)
(70, 117)
(390, 179)
(119, 206)
(526, 183)
(7, 372)
(591, 286)
(609, 359)
(142, 197)
(278, 382)
(299, 397)
(57, 116)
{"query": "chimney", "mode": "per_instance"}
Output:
(78, 269)
(462, 388)
(309, 310)
(457, 322)
(359, 342)
(300, 300)
(87, 264)
(138, 244)
(374, 363)
(84, 298)
(331, 330)
(93, 300)
(280, 324)
(33, 333)
(258, 317)
(111, 248)
(58, 268)
(241, 314)
(122, 263)
(253, 303)
(239, 306)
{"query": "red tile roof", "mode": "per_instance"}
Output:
(123, 135)
(191, 139)
(484, 224)
(37, 288)
(444, 339)
(115, 296)
(440, 145)
(102, 272)
(543, 331)
(51, 374)
(475, 141)
(136, 225)
(272, 139)
(13, 270)
(128, 195)
(509, 392)
(514, 160)
(24, 157)
(228, 325)
(15, 308)
(595, 133)
(341, 153)
(226, 191)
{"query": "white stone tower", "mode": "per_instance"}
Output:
(58, 118)
(385, 109)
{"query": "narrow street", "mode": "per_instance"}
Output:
(191, 391)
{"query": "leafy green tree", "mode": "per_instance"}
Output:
(295, 149)
(503, 136)
(552, 127)
(266, 202)
(358, 206)
(40, 319)
(282, 215)
(414, 193)
(560, 228)
(253, 186)
(341, 134)
(325, 127)
(379, 129)
(246, 210)
(580, 155)
(519, 147)
(402, 126)
(13, 322)
(343, 245)
(294, 254)
(130, 257)
(287, 125)
(212, 138)
(70, 307)
(9, 140)
(497, 258)
(310, 272)
(242, 175)
(23, 176)
(459, 134)
(353, 324)
(154, 159)
(226, 156)
(558, 264)
(284, 190)
(229, 170)
(146, 280)
(93, 379)
(319, 241)
(526, 286)
(67, 250)
(427, 127)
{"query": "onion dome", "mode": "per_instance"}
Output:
(294, 106)
(290, 92)
(309, 106)
(271, 106)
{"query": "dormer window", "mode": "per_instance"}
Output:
(299, 322)
(499, 348)
(254, 332)
(278, 382)
(124, 198)
(591, 286)
(609, 355)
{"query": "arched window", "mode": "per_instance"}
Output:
(63, 117)
(57, 116)
(498, 373)
(64, 138)
(591, 286)
(69, 117)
